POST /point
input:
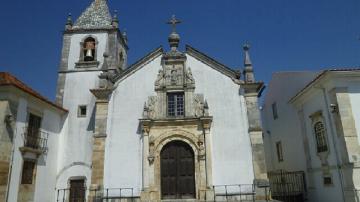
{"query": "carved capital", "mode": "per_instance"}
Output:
(101, 94)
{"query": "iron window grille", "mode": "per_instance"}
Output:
(35, 139)
(321, 143)
(175, 104)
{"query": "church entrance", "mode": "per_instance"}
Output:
(177, 171)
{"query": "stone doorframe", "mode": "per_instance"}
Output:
(156, 136)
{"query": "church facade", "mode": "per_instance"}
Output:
(174, 125)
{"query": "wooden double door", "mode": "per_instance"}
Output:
(177, 171)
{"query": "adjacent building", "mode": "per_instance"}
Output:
(312, 129)
(30, 129)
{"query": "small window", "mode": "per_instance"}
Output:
(279, 151)
(274, 110)
(320, 137)
(77, 190)
(327, 180)
(82, 111)
(175, 104)
(28, 172)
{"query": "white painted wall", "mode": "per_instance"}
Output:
(75, 149)
(17, 157)
(231, 147)
(46, 164)
(282, 87)
(123, 154)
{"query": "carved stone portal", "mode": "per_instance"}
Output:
(192, 127)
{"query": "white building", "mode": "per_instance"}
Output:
(30, 128)
(312, 126)
(174, 125)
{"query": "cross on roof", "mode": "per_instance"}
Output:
(173, 21)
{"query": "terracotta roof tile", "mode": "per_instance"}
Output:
(8, 79)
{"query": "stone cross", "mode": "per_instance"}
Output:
(173, 21)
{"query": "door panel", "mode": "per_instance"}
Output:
(177, 171)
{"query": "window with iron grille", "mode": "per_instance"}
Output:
(77, 190)
(33, 131)
(28, 172)
(274, 110)
(175, 104)
(320, 137)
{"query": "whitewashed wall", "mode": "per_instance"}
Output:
(46, 164)
(17, 157)
(76, 144)
(123, 154)
(283, 86)
(231, 147)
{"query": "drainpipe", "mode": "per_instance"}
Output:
(338, 165)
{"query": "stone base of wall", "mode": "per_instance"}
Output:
(26, 193)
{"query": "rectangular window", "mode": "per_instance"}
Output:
(320, 135)
(28, 172)
(279, 151)
(327, 180)
(77, 190)
(82, 111)
(33, 131)
(175, 104)
(274, 110)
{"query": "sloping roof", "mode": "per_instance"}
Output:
(189, 50)
(96, 16)
(7, 79)
(139, 64)
(319, 76)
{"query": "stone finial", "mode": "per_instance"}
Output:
(115, 20)
(248, 68)
(69, 22)
(206, 108)
(124, 35)
(174, 37)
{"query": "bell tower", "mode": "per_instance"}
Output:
(89, 43)
(92, 45)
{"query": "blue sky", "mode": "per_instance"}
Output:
(284, 35)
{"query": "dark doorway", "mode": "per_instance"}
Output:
(177, 171)
(77, 190)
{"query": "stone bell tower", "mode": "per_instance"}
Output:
(92, 46)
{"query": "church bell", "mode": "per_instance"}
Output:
(89, 56)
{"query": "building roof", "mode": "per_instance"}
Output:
(6, 79)
(321, 75)
(96, 16)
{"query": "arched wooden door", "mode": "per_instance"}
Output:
(177, 171)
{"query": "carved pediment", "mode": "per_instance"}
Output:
(174, 76)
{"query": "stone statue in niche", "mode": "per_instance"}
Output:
(189, 77)
(151, 107)
(160, 79)
(201, 144)
(173, 77)
(199, 105)
(151, 156)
